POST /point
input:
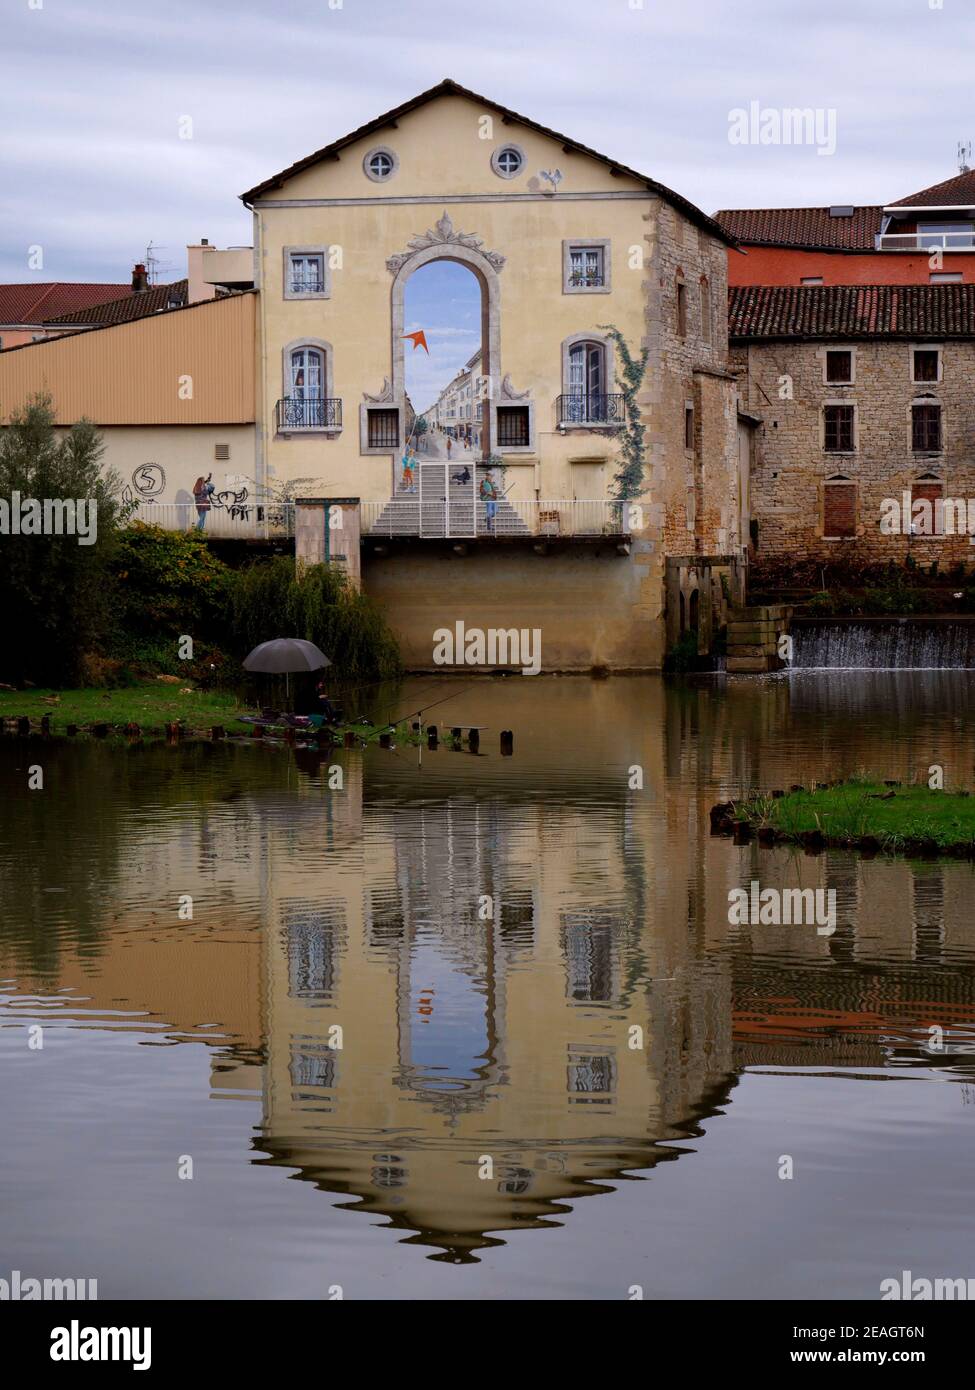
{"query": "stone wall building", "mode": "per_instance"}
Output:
(865, 399)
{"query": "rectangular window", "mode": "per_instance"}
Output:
(839, 510)
(681, 309)
(514, 427)
(945, 277)
(926, 364)
(811, 280)
(383, 429)
(705, 311)
(307, 274)
(839, 367)
(688, 427)
(925, 520)
(586, 267)
(926, 429)
(838, 435)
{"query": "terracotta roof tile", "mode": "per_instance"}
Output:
(811, 227)
(134, 305)
(957, 192)
(33, 304)
(757, 312)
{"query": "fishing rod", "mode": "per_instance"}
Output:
(393, 723)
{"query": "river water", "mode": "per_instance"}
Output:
(437, 1025)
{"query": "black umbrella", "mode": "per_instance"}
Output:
(286, 654)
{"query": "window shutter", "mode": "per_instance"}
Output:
(839, 509)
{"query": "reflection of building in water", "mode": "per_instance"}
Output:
(485, 1072)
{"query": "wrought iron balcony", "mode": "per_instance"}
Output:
(308, 285)
(583, 408)
(309, 413)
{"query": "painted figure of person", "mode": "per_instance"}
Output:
(407, 483)
(202, 492)
(489, 496)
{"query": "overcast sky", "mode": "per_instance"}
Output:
(92, 94)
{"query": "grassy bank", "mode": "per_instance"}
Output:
(152, 705)
(864, 813)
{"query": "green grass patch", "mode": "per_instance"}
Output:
(150, 704)
(865, 807)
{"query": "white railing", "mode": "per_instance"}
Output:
(403, 516)
(926, 241)
(244, 520)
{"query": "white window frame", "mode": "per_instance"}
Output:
(840, 347)
(370, 155)
(322, 253)
(584, 244)
(937, 349)
(498, 154)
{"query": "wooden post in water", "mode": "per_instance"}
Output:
(216, 732)
(23, 725)
(385, 740)
(349, 740)
(473, 740)
(100, 730)
(507, 743)
(46, 724)
(432, 736)
(72, 730)
(257, 731)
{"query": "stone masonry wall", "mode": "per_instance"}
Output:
(790, 466)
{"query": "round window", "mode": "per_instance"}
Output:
(508, 161)
(380, 164)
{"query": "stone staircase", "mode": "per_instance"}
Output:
(442, 508)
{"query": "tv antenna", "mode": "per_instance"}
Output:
(964, 156)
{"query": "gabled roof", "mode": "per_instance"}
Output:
(131, 306)
(813, 228)
(763, 312)
(958, 192)
(33, 304)
(450, 88)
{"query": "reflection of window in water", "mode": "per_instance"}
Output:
(590, 942)
(385, 1176)
(515, 1182)
(591, 1077)
(312, 1066)
(929, 914)
(516, 927)
(310, 939)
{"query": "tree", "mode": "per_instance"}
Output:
(53, 587)
(422, 425)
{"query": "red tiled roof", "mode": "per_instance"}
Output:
(33, 304)
(958, 192)
(450, 88)
(131, 306)
(810, 227)
(757, 312)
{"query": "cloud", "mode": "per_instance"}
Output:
(93, 94)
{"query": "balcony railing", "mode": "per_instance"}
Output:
(231, 514)
(582, 408)
(438, 518)
(309, 413)
(927, 241)
(308, 285)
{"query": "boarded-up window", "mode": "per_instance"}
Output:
(925, 364)
(927, 520)
(926, 428)
(839, 509)
(705, 311)
(838, 429)
(839, 367)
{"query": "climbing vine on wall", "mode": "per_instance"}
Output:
(628, 480)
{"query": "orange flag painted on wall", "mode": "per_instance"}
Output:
(418, 339)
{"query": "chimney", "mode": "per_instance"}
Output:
(140, 280)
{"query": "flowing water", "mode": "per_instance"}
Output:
(885, 643)
(457, 1026)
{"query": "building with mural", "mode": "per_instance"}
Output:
(581, 267)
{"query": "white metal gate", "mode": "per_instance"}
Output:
(447, 499)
